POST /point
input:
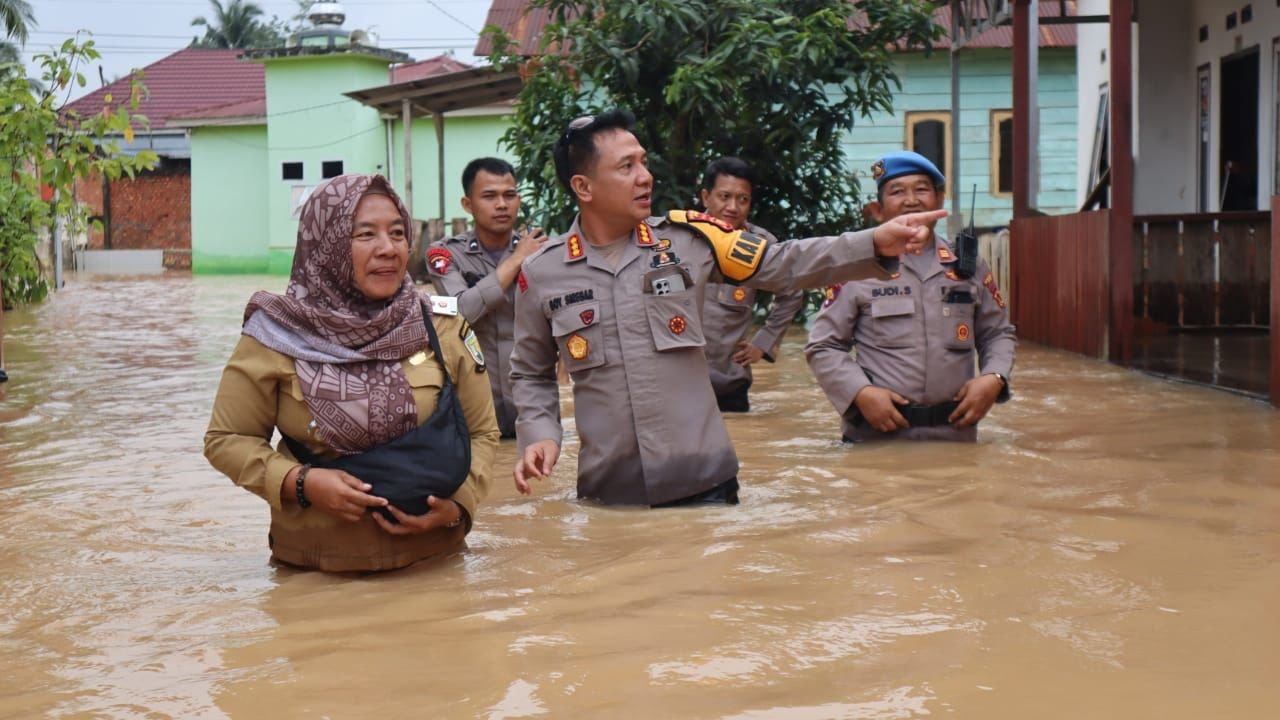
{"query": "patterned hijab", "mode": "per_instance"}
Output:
(346, 348)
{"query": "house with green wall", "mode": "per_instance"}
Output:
(254, 163)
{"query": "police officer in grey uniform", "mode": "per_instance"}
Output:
(618, 297)
(480, 266)
(915, 333)
(728, 312)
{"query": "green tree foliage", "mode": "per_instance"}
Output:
(236, 25)
(776, 82)
(44, 150)
(18, 19)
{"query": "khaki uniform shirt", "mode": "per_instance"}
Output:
(727, 315)
(469, 274)
(910, 339)
(632, 339)
(259, 393)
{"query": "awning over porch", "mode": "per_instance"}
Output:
(433, 97)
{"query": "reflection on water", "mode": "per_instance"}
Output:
(1111, 549)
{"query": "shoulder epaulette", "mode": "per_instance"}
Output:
(738, 253)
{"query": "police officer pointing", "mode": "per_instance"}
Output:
(915, 333)
(618, 296)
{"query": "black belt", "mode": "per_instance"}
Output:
(928, 415)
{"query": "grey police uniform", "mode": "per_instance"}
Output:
(915, 334)
(727, 316)
(460, 266)
(632, 339)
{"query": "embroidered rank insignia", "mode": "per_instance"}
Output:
(472, 344)
(578, 346)
(829, 294)
(574, 248)
(644, 238)
(944, 255)
(962, 332)
(951, 275)
(677, 324)
(738, 253)
(661, 245)
(739, 294)
(587, 316)
(663, 259)
(990, 283)
(522, 282)
(439, 260)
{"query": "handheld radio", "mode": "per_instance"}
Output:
(967, 244)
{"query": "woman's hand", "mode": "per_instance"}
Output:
(335, 492)
(442, 513)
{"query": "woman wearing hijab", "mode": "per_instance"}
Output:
(387, 421)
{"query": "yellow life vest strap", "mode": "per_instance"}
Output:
(738, 253)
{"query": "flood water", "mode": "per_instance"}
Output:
(1110, 549)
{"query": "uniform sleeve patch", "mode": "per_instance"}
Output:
(472, 343)
(990, 282)
(439, 260)
(522, 281)
(829, 295)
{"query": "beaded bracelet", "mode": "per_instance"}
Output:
(303, 502)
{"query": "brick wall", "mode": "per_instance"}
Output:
(150, 212)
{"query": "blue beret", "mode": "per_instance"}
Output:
(905, 162)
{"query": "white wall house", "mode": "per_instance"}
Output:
(1206, 103)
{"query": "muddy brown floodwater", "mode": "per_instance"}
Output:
(1110, 549)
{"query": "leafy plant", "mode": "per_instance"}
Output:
(775, 82)
(44, 150)
(237, 25)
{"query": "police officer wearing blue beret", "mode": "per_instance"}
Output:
(915, 333)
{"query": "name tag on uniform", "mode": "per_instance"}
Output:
(444, 305)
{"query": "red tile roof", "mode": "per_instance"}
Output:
(242, 110)
(430, 67)
(525, 26)
(188, 80)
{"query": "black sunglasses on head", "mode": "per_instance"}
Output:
(575, 126)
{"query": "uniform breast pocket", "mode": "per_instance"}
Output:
(894, 321)
(578, 335)
(674, 320)
(426, 376)
(958, 321)
(735, 296)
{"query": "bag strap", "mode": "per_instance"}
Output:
(434, 340)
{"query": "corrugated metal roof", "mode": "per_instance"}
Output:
(188, 80)
(526, 26)
(242, 112)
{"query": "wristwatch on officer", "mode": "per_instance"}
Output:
(1004, 387)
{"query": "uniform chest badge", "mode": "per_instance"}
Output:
(677, 324)
(829, 295)
(418, 358)
(951, 275)
(444, 305)
(662, 245)
(739, 294)
(587, 316)
(578, 346)
(663, 259)
(439, 260)
(962, 332)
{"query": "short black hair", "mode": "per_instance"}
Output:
(727, 165)
(576, 149)
(491, 165)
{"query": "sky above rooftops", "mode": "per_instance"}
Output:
(136, 33)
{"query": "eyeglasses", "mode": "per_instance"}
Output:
(576, 125)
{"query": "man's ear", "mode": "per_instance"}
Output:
(703, 194)
(466, 205)
(873, 211)
(581, 186)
